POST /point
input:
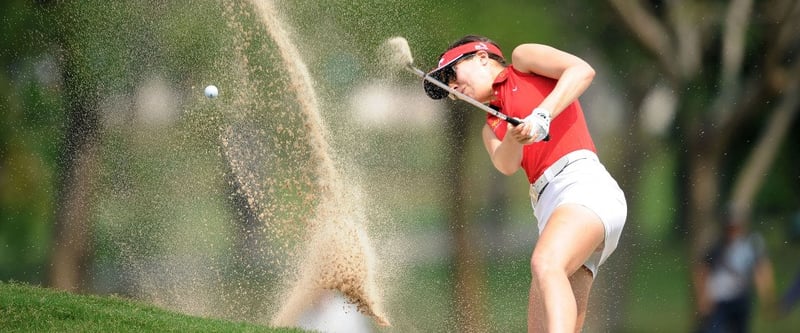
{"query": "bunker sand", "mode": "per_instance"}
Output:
(339, 255)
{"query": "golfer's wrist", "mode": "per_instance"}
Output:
(540, 118)
(542, 113)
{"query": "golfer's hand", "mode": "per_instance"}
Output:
(534, 128)
(522, 133)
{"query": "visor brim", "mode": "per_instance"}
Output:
(433, 91)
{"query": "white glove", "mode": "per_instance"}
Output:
(539, 121)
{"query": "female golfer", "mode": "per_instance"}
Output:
(579, 207)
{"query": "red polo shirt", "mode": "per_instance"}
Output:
(516, 95)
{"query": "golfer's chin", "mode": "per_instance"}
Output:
(470, 94)
(483, 98)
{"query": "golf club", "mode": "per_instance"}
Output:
(401, 56)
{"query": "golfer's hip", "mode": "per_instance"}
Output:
(538, 186)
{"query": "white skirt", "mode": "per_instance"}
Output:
(586, 182)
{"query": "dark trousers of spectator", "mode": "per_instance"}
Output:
(791, 297)
(729, 317)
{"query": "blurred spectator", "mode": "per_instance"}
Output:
(735, 270)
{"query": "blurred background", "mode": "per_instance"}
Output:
(118, 176)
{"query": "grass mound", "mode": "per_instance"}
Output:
(25, 308)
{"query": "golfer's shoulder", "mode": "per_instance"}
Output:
(529, 49)
(531, 57)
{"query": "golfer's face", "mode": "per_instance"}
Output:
(470, 77)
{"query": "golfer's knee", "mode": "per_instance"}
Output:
(544, 267)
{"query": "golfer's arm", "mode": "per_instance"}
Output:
(506, 155)
(574, 75)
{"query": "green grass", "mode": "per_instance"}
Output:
(25, 308)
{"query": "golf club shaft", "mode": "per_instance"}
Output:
(459, 95)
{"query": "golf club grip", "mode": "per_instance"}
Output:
(513, 121)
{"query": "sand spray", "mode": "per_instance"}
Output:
(338, 253)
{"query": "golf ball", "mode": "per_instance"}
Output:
(212, 91)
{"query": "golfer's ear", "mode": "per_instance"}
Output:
(483, 55)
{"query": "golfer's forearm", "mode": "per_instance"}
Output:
(507, 157)
(506, 154)
(570, 86)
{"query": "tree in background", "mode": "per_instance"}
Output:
(727, 63)
(71, 249)
(730, 68)
(469, 274)
(30, 131)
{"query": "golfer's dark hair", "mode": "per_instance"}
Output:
(476, 38)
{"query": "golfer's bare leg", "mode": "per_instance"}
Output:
(571, 235)
(581, 282)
